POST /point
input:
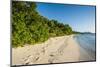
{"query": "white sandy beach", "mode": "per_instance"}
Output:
(54, 50)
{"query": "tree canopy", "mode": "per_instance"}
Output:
(28, 27)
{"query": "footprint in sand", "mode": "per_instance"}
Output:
(43, 50)
(50, 60)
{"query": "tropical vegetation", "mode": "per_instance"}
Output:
(29, 27)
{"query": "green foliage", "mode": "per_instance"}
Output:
(28, 27)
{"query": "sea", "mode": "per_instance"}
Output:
(87, 41)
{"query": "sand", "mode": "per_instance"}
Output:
(54, 50)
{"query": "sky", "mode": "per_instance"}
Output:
(80, 18)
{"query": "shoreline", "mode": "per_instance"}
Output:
(54, 50)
